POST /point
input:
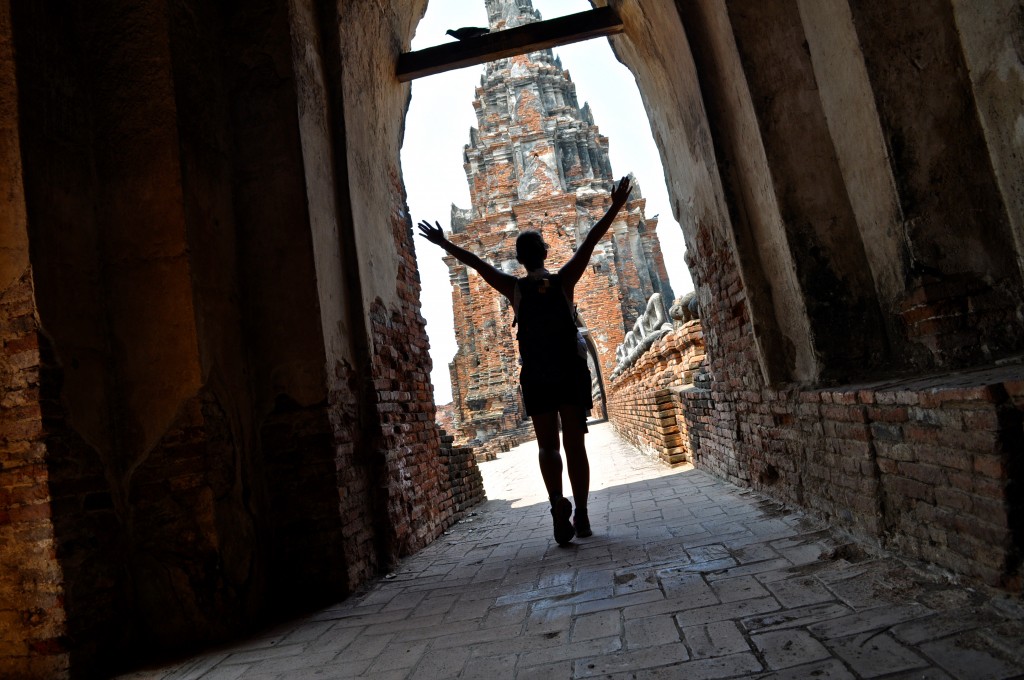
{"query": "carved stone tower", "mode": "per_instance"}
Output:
(537, 161)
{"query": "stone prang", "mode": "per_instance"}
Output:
(537, 161)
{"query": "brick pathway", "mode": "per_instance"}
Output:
(685, 577)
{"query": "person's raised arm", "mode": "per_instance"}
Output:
(499, 280)
(572, 270)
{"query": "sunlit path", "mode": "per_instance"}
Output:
(685, 576)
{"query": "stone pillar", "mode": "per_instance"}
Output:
(964, 284)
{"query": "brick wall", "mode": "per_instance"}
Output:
(466, 483)
(31, 585)
(927, 466)
(414, 479)
(645, 402)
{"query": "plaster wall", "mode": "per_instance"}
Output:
(992, 39)
(926, 108)
(282, 315)
(372, 34)
(13, 234)
(842, 83)
(816, 221)
(321, 194)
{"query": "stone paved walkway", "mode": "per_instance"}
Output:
(685, 577)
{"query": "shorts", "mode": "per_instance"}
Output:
(554, 384)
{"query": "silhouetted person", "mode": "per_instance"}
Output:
(554, 377)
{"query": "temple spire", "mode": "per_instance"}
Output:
(537, 161)
(503, 14)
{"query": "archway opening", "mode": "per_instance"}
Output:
(435, 167)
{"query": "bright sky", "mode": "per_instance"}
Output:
(437, 128)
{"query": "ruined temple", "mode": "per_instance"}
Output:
(537, 161)
(215, 407)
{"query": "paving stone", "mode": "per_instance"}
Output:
(750, 568)
(634, 580)
(256, 655)
(862, 592)
(792, 618)
(597, 625)
(440, 664)
(788, 648)
(491, 668)
(829, 669)
(941, 625)
(715, 639)
(506, 616)
(630, 661)
(709, 558)
(306, 631)
(921, 674)
(875, 654)
(686, 589)
(191, 669)
(873, 619)
(411, 623)
(436, 631)
(972, 656)
(399, 656)
(616, 602)
(800, 591)
(470, 610)
(549, 619)
(560, 669)
(535, 594)
(574, 598)
(739, 588)
(564, 652)
(651, 631)
(522, 643)
(292, 664)
(726, 612)
(334, 641)
(642, 599)
(475, 637)
(735, 666)
(758, 552)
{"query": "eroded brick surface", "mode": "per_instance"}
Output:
(32, 612)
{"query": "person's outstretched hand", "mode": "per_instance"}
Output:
(434, 234)
(621, 192)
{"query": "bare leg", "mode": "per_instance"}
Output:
(573, 422)
(546, 428)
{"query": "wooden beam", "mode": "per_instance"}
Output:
(539, 35)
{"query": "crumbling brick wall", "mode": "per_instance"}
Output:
(31, 616)
(926, 466)
(645, 402)
(465, 480)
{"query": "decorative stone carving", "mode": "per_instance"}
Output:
(650, 327)
(684, 309)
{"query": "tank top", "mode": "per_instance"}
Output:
(547, 323)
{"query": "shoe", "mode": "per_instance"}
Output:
(561, 511)
(581, 523)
